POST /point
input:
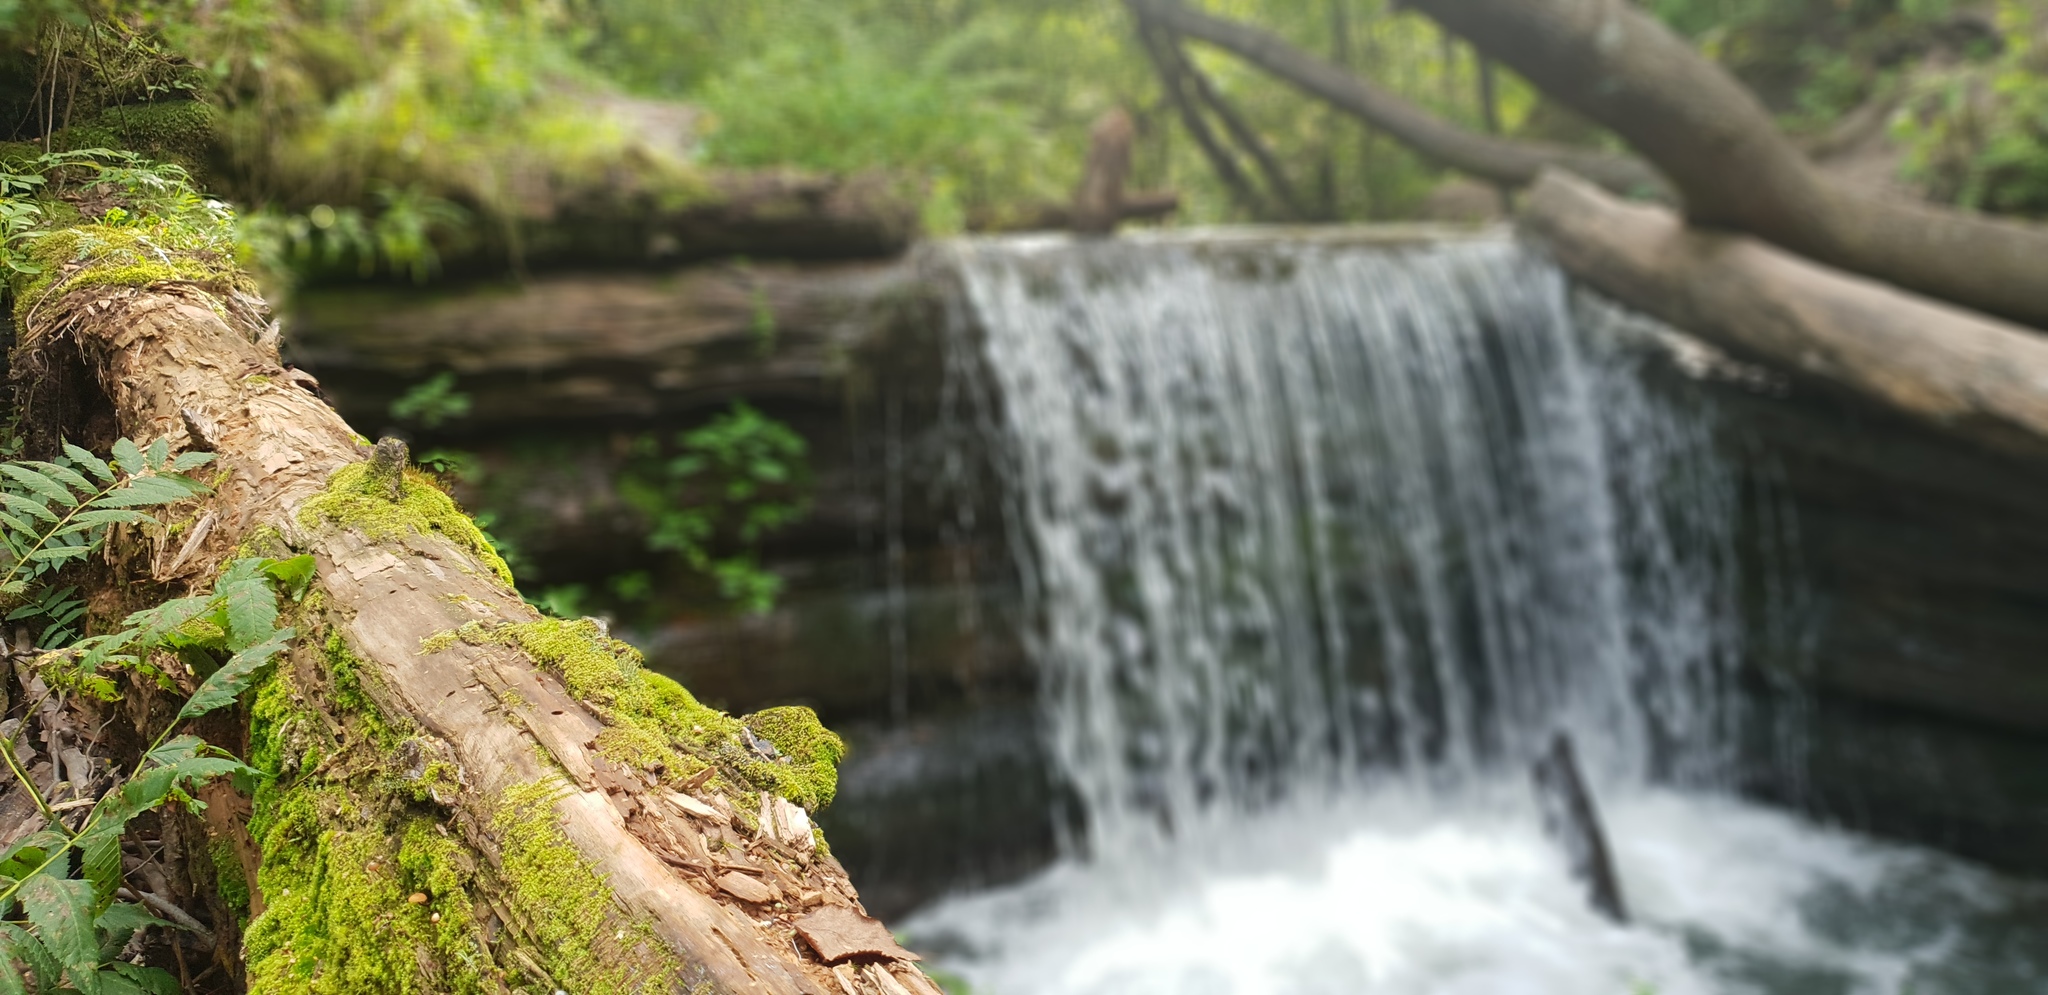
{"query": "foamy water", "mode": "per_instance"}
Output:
(1408, 895)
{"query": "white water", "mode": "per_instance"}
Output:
(1320, 542)
(1403, 894)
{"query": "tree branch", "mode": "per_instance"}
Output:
(1169, 60)
(1702, 128)
(1496, 159)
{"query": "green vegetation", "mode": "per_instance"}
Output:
(658, 726)
(727, 485)
(61, 926)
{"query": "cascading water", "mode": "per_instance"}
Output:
(1320, 542)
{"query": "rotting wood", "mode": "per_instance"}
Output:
(171, 357)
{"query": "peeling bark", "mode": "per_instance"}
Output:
(185, 362)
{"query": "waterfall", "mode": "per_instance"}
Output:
(1308, 514)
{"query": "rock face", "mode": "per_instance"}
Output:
(1897, 582)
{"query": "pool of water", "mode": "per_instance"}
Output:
(1409, 892)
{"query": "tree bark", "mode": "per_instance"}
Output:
(1970, 375)
(1497, 159)
(571, 870)
(1620, 67)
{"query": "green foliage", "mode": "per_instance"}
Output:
(1976, 133)
(400, 236)
(724, 488)
(431, 402)
(139, 214)
(60, 924)
(54, 514)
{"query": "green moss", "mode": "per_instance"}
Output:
(657, 725)
(98, 255)
(356, 499)
(810, 777)
(180, 131)
(568, 907)
(228, 877)
(339, 918)
(439, 641)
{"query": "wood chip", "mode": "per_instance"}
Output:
(692, 806)
(885, 981)
(844, 975)
(746, 889)
(838, 933)
(915, 980)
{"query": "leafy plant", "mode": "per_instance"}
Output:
(53, 514)
(432, 401)
(61, 925)
(728, 484)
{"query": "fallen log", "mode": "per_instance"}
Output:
(1615, 64)
(562, 819)
(1966, 373)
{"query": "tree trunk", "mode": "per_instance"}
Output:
(1970, 375)
(468, 796)
(1497, 159)
(1620, 67)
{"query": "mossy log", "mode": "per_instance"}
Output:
(462, 795)
(1963, 373)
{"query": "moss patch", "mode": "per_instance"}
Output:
(180, 131)
(101, 255)
(567, 906)
(658, 726)
(356, 498)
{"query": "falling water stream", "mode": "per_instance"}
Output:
(1321, 541)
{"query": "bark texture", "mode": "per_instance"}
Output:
(1954, 369)
(1500, 160)
(568, 869)
(1617, 65)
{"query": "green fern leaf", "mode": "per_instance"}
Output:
(11, 980)
(226, 684)
(41, 485)
(140, 980)
(159, 453)
(23, 506)
(16, 525)
(92, 464)
(64, 475)
(143, 492)
(24, 946)
(60, 909)
(59, 554)
(245, 592)
(128, 456)
(190, 461)
(99, 851)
